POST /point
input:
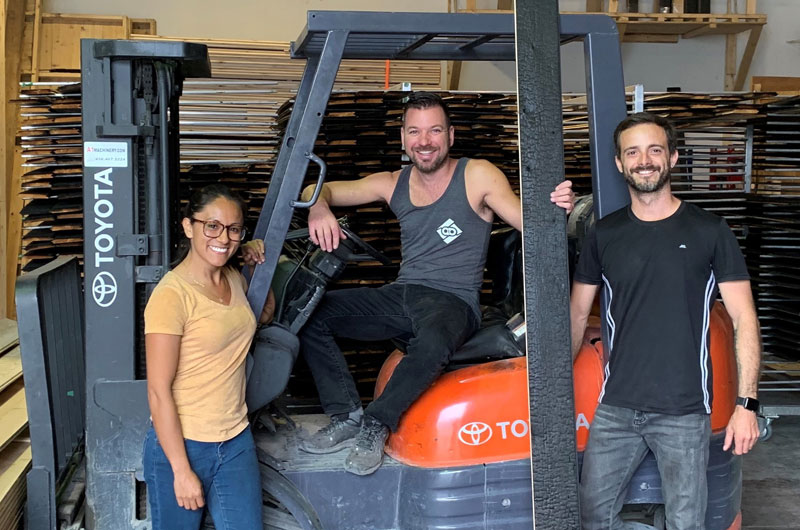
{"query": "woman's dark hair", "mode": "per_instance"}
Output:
(645, 117)
(426, 100)
(199, 200)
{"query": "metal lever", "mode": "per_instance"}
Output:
(320, 181)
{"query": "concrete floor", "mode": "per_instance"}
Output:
(771, 480)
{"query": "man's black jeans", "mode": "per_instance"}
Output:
(438, 322)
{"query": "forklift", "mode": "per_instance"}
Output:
(448, 476)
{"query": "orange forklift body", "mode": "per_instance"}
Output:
(479, 414)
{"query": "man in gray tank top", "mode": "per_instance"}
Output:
(445, 208)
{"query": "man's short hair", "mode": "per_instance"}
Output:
(426, 100)
(645, 117)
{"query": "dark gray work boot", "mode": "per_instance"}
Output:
(335, 436)
(367, 453)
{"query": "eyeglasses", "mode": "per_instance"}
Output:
(214, 228)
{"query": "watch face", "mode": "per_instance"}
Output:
(748, 403)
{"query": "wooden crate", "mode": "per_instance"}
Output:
(781, 85)
(60, 37)
(52, 41)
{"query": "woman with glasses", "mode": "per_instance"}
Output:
(198, 329)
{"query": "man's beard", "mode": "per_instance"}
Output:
(649, 186)
(432, 166)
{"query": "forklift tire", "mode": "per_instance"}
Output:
(284, 505)
(660, 518)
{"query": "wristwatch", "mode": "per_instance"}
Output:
(749, 403)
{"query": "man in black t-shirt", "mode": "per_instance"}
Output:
(662, 262)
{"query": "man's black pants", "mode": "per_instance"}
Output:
(438, 323)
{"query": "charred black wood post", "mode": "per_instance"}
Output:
(553, 451)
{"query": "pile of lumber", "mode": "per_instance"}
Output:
(270, 60)
(218, 143)
(772, 251)
(52, 192)
(15, 446)
(776, 149)
(229, 118)
(51, 183)
(227, 133)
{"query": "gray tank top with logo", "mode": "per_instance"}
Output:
(444, 243)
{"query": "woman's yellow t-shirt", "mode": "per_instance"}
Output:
(209, 384)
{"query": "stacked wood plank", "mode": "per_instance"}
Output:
(50, 138)
(772, 250)
(234, 113)
(776, 156)
(15, 447)
(227, 122)
(270, 60)
(227, 125)
(712, 137)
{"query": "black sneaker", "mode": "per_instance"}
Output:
(367, 453)
(335, 436)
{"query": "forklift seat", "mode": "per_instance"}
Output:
(493, 340)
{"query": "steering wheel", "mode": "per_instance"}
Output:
(369, 249)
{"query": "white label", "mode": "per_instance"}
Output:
(105, 154)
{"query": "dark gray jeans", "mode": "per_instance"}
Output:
(618, 442)
(438, 323)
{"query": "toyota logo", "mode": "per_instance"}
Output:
(475, 433)
(104, 289)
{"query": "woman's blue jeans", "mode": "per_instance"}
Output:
(231, 484)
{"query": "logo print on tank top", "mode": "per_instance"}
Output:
(449, 231)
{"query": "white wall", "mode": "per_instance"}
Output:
(693, 64)
(280, 20)
(699, 64)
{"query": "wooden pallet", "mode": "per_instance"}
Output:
(15, 451)
(15, 461)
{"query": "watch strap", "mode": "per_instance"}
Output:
(748, 403)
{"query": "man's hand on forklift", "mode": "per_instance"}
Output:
(323, 228)
(188, 490)
(253, 252)
(563, 196)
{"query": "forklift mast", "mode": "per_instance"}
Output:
(130, 96)
(330, 36)
(130, 134)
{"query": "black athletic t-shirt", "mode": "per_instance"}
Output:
(661, 278)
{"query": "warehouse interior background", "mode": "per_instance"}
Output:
(696, 64)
